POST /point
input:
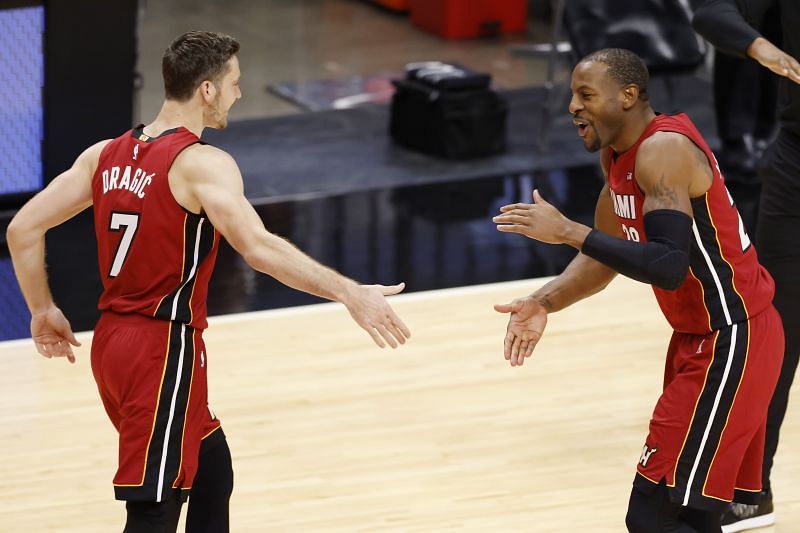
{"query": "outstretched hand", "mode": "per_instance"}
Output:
(775, 59)
(53, 335)
(369, 308)
(525, 327)
(540, 220)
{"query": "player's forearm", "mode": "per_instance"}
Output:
(582, 278)
(283, 261)
(27, 249)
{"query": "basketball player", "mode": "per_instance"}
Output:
(161, 200)
(664, 217)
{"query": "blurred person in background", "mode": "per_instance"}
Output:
(730, 26)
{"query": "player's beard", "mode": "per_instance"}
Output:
(217, 117)
(596, 143)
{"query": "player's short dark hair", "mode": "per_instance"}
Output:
(193, 58)
(624, 66)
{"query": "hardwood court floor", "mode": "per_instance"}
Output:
(331, 434)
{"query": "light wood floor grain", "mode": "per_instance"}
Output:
(329, 433)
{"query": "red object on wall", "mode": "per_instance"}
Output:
(455, 19)
(396, 5)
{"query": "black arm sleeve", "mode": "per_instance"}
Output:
(728, 24)
(662, 261)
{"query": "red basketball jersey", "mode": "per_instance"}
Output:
(155, 257)
(726, 283)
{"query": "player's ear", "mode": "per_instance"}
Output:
(208, 91)
(630, 95)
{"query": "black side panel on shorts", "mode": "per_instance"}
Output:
(164, 449)
(711, 415)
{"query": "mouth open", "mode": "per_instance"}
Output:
(582, 125)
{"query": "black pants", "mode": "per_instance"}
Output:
(745, 93)
(208, 501)
(745, 98)
(654, 512)
(211, 491)
(778, 246)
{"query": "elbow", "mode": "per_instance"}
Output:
(22, 232)
(271, 255)
(13, 233)
(256, 260)
(701, 20)
(672, 283)
(255, 250)
(671, 274)
(263, 259)
(606, 281)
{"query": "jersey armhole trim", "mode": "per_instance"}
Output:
(201, 214)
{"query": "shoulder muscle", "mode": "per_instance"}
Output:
(201, 163)
(666, 168)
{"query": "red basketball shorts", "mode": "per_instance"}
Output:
(707, 432)
(151, 375)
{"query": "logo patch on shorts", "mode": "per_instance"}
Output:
(700, 348)
(647, 452)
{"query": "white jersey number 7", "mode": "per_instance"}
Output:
(130, 221)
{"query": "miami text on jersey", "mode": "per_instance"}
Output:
(624, 205)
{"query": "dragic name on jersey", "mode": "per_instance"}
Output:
(135, 180)
(155, 257)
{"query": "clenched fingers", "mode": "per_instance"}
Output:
(58, 349)
(43, 350)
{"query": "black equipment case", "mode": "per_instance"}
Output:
(448, 111)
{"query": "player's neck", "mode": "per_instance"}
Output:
(633, 129)
(174, 114)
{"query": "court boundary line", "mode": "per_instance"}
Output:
(434, 294)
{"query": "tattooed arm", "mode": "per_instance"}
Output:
(671, 170)
(583, 277)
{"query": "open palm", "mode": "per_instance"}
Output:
(373, 313)
(526, 324)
